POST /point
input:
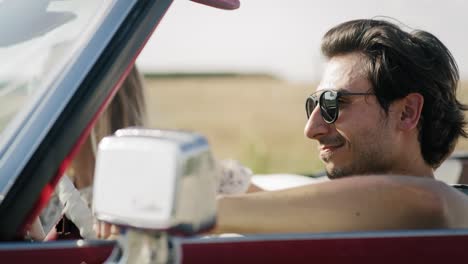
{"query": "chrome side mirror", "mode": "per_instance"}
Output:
(156, 180)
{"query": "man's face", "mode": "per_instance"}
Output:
(361, 140)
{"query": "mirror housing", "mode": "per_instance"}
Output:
(157, 180)
(221, 4)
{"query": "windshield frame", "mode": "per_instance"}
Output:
(96, 74)
(22, 138)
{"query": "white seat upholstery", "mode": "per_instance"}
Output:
(450, 171)
(272, 182)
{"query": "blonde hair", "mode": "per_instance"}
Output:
(127, 108)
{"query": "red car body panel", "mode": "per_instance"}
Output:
(56, 252)
(423, 248)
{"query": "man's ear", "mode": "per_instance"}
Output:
(410, 111)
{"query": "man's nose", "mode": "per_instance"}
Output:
(316, 126)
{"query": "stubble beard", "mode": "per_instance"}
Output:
(372, 157)
(366, 163)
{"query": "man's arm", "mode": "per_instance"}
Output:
(351, 204)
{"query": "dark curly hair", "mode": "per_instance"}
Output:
(399, 63)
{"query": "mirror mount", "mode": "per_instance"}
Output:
(142, 247)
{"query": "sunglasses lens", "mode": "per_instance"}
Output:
(310, 106)
(329, 106)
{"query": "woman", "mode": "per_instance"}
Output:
(73, 194)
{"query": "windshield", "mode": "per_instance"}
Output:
(39, 40)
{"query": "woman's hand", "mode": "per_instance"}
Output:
(105, 230)
(36, 232)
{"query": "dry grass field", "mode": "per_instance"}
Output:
(255, 119)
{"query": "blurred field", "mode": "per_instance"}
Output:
(255, 119)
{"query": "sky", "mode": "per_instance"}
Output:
(281, 37)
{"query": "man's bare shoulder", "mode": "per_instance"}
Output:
(435, 198)
(357, 203)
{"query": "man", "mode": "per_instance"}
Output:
(385, 116)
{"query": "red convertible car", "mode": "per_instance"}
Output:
(62, 63)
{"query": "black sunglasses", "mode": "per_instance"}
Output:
(329, 103)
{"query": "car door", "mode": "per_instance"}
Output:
(425, 246)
